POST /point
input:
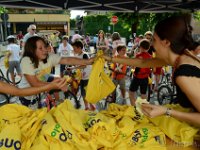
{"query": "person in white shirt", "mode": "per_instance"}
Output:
(14, 57)
(31, 32)
(130, 44)
(65, 50)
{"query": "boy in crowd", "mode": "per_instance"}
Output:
(119, 71)
(14, 58)
(78, 52)
(140, 74)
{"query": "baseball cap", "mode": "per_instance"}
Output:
(10, 37)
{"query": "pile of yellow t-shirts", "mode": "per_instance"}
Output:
(21, 121)
(178, 131)
(66, 128)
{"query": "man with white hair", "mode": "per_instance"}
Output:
(31, 32)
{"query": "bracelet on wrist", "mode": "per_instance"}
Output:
(168, 112)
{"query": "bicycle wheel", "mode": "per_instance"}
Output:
(4, 99)
(164, 95)
(69, 95)
(17, 77)
(1, 73)
(2, 79)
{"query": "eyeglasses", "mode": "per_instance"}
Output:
(33, 29)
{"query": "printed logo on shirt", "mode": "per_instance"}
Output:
(42, 74)
(58, 132)
(137, 115)
(140, 136)
(91, 121)
(64, 52)
(10, 143)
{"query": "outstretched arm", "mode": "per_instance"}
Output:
(75, 61)
(137, 62)
(13, 90)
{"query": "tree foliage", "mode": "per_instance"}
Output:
(3, 10)
(72, 23)
(128, 23)
(197, 15)
(92, 24)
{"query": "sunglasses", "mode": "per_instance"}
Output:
(33, 29)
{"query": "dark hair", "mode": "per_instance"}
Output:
(76, 31)
(120, 47)
(145, 44)
(11, 40)
(116, 36)
(30, 50)
(78, 43)
(178, 31)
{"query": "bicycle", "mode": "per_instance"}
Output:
(8, 76)
(114, 97)
(4, 98)
(48, 97)
(73, 77)
(166, 90)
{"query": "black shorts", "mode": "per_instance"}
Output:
(83, 84)
(136, 83)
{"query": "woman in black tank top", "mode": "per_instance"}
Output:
(174, 46)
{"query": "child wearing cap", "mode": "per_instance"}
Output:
(14, 57)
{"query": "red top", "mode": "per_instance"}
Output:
(119, 74)
(143, 72)
(20, 36)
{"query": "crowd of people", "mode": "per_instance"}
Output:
(170, 44)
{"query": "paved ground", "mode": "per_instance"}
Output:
(152, 100)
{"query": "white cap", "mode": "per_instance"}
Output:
(10, 37)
